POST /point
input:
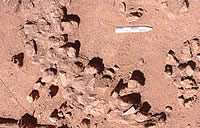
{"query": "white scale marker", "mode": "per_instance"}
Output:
(132, 29)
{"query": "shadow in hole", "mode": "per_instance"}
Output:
(139, 77)
(97, 63)
(121, 85)
(133, 98)
(76, 45)
(70, 17)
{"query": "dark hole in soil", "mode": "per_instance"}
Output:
(53, 90)
(76, 45)
(34, 94)
(138, 14)
(133, 98)
(35, 46)
(182, 65)
(97, 63)
(107, 77)
(192, 64)
(168, 69)
(54, 114)
(8, 121)
(145, 108)
(111, 70)
(40, 81)
(121, 85)
(86, 122)
(149, 124)
(138, 76)
(163, 116)
(28, 121)
(70, 17)
(18, 59)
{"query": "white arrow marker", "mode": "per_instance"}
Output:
(132, 29)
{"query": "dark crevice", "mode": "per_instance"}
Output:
(121, 85)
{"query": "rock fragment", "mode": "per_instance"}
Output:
(129, 111)
(140, 118)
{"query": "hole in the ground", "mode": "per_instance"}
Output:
(70, 17)
(18, 59)
(97, 63)
(138, 76)
(53, 90)
(168, 69)
(34, 94)
(133, 98)
(40, 81)
(121, 85)
(145, 108)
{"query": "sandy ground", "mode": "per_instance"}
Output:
(146, 52)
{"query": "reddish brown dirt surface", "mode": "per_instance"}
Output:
(88, 89)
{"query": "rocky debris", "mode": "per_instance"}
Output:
(184, 72)
(84, 81)
(49, 74)
(129, 111)
(18, 59)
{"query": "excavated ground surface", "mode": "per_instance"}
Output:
(63, 65)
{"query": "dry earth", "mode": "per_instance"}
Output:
(63, 64)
